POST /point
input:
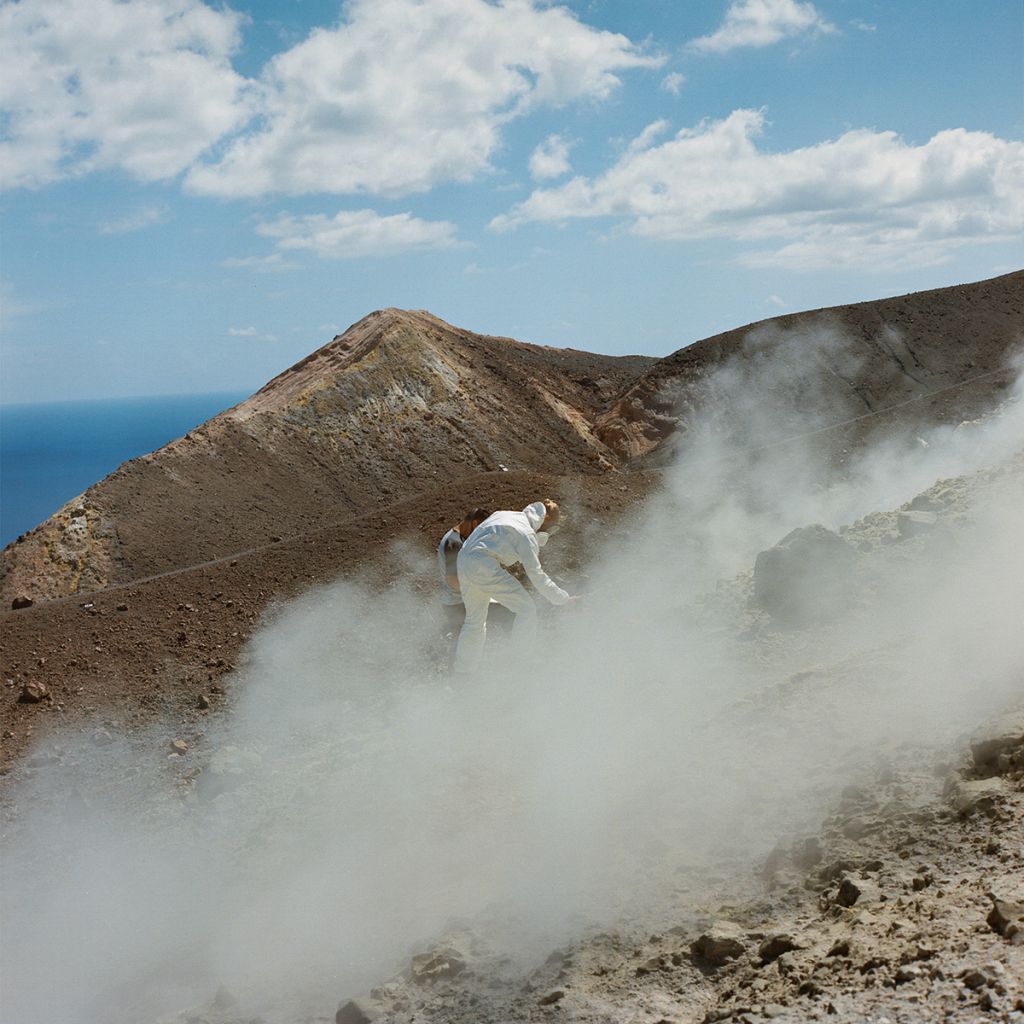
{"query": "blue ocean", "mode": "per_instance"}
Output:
(52, 451)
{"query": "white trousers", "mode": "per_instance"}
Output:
(483, 579)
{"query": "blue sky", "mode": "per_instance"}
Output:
(196, 195)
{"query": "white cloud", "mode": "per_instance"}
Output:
(139, 220)
(867, 199)
(141, 85)
(250, 332)
(353, 234)
(550, 159)
(762, 23)
(264, 264)
(673, 82)
(403, 94)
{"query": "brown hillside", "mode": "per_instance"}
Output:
(397, 404)
(916, 352)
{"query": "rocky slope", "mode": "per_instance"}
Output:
(903, 902)
(940, 355)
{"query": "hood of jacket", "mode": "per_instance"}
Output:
(535, 512)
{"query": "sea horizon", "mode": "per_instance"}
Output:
(51, 451)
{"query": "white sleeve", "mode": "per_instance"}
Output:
(528, 549)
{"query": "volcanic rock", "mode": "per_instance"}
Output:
(914, 523)
(721, 942)
(775, 945)
(806, 576)
(34, 692)
(443, 962)
(1007, 919)
(551, 998)
(1003, 736)
(21, 602)
(972, 796)
(357, 1011)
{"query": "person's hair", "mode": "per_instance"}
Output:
(553, 512)
(478, 515)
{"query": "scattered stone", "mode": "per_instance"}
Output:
(1003, 736)
(444, 962)
(775, 945)
(203, 702)
(1007, 919)
(914, 523)
(841, 947)
(551, 998)
(907, 974)
(773, 1010)
(21, 602)
(357, 1011)
(122, 607)
(721, 942)
(849, 892)
(179, 747)
(975, 796)
(973, 978)
(34, 692)
(656, 963)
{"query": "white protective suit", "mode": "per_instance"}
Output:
(503, 539)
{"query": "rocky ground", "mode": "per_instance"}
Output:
(906, 906)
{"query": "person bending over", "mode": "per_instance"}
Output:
(504, 539)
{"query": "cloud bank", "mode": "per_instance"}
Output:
(398, 97)
(868, 199)
(759, 23)
(403, 95)
(90, 85)
(354, 234)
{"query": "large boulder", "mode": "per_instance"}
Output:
(806, 577)
(721, 942)
(1000, 743)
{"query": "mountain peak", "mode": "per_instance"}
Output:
(340, 354)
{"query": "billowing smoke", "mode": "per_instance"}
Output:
(357, 800)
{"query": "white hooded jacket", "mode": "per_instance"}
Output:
(510, 537)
